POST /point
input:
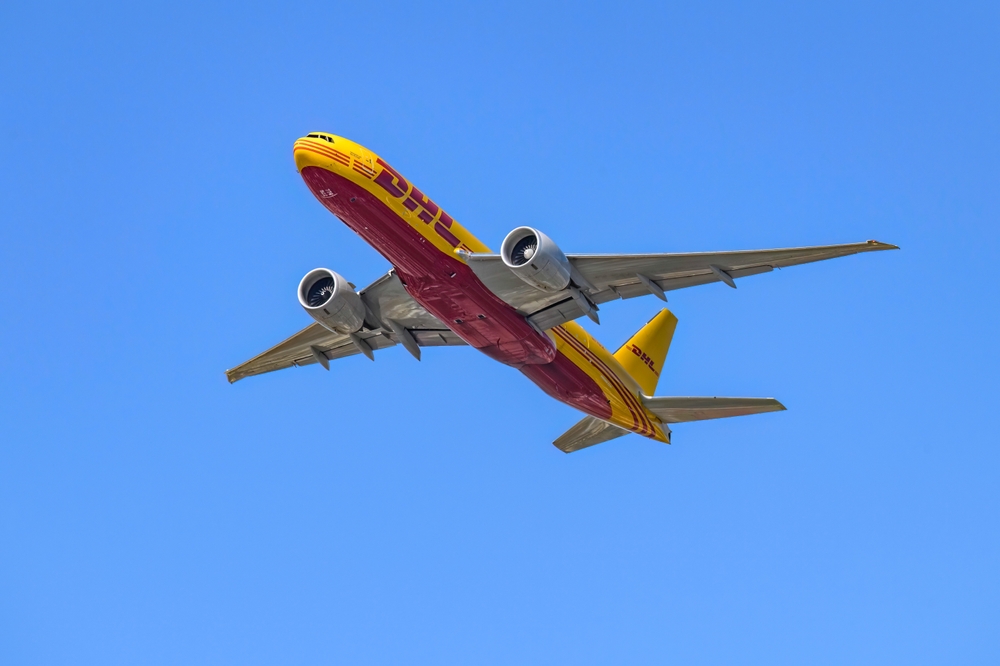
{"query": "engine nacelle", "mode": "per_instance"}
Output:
(536, 259)
(332, 301)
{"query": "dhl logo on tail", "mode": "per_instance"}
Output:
(647, 349)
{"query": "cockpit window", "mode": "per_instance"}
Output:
(320, 136)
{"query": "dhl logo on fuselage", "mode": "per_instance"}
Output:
(367, 169)
(414, 200)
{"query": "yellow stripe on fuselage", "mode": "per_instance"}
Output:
(622, 392)
(364, 168)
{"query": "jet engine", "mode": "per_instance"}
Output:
(536, 259)
(332, 301)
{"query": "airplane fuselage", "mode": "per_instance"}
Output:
(424, 245)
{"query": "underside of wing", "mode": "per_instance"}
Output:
(613, 276)
(620, 273)
(394, 318)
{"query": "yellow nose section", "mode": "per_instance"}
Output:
(310, 151)
(643, 355)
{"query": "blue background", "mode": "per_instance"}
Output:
(154, 230)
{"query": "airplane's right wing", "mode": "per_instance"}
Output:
(395, 318)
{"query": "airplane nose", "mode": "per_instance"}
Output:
(318, 149)
(303, 154)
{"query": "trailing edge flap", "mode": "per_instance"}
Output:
(586, 433)
(643, 355)
(682, 410)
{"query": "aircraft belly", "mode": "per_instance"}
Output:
(442, 284)
(449, 289)
(566, 382)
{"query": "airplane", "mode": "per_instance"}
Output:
(519, 307)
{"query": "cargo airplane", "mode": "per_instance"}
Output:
(518, 307)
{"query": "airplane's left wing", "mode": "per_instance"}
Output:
(606, 277)
(393, 318)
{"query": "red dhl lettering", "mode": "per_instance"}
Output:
(429, 209)
(393, 183)
(644, 358)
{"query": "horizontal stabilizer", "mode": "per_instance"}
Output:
(586, 433)
(682, 410)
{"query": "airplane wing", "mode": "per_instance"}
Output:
(394, 318)
(613, 276)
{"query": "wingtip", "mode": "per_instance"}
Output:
(878, 245)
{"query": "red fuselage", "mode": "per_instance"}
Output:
(449, 290)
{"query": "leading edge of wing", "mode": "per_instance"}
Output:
(854, 248)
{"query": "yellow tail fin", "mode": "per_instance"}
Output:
(643, 355)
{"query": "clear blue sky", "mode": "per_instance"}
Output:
(154, 230)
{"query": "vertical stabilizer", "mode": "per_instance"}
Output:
(643, 355)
